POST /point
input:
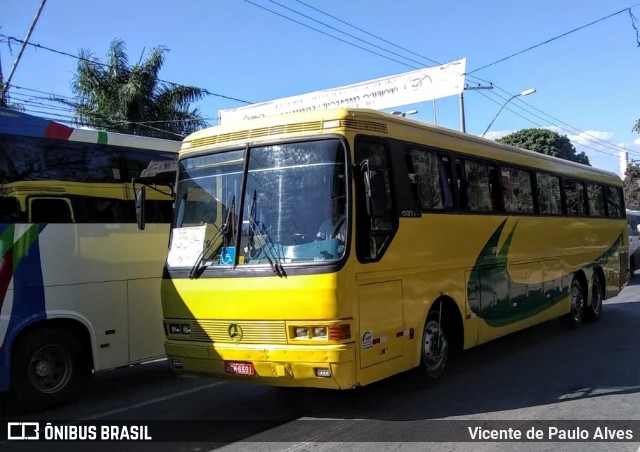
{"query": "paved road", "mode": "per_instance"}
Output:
(545, 373)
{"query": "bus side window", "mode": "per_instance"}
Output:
(517, 193)
(614, 202)
(50, 210)
(426, 184)
(377, 224)
(549, 194)
(479, 193)
(595, 195)
(574, 197)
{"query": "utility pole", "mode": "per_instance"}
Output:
(5, 86)
(463, 127)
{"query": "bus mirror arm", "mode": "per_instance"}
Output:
(149, 182)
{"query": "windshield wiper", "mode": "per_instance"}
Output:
(274, 261)
(225, 231)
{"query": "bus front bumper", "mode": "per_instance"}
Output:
(330, 366)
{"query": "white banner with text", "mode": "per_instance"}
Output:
(387, 92)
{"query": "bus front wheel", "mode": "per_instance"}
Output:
(46, 369)
(435, 345)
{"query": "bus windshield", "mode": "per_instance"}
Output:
(293, 206)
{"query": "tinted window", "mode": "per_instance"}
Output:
(517, 194)
(50, 210)
(10, 210)
(431, 179)
(615, 206)
(28, 158)
(478, 186)
(549, 196)
(574, 197)
(595, 196)
(374, 233)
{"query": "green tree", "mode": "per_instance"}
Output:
(631, 187)
(546, 142)
(117, 97)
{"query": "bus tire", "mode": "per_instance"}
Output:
(435, 346)
(47, 369)
(575, 316)
(593, 311)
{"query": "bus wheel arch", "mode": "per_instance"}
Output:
(577, 295)
(50, 362)
(442, 336)
(593, 309)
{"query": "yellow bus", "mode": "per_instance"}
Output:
(335, 248)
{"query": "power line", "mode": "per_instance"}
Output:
(329, 34)
(95, 61)
(586, 135)
(543, 126)
(347, 34)
(590, 138)
(367, 33)
(554, 38)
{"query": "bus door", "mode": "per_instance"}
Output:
(381, 322)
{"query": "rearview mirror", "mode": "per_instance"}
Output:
(141, 197)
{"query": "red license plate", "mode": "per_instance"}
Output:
(233, 367)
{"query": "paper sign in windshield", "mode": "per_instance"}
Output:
(186, 246)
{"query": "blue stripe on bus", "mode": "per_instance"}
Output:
(28, 302)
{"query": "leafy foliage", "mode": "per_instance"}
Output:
(117, 97)
(631, 187)
(546, 142)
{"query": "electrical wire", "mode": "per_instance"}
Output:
(94, 61)
(585, 135)
(629, 8)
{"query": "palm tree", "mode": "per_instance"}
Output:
(117, 97)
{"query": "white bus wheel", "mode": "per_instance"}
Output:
(46, 369)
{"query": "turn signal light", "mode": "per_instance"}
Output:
(339, 332)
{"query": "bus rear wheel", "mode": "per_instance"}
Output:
(435, 346)
(46, 370)
(575, 316)
(594, 310)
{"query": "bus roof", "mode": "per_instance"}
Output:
(313, 122)
(14, 122)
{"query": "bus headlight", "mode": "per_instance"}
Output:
(301, 332)
(180, 328)
(319, 332)
(340, 332)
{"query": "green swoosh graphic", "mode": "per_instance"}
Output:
(500, 301)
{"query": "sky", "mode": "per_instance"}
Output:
(586, 80)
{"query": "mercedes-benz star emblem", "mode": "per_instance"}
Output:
(235, 332)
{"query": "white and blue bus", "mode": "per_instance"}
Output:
(79, 284)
